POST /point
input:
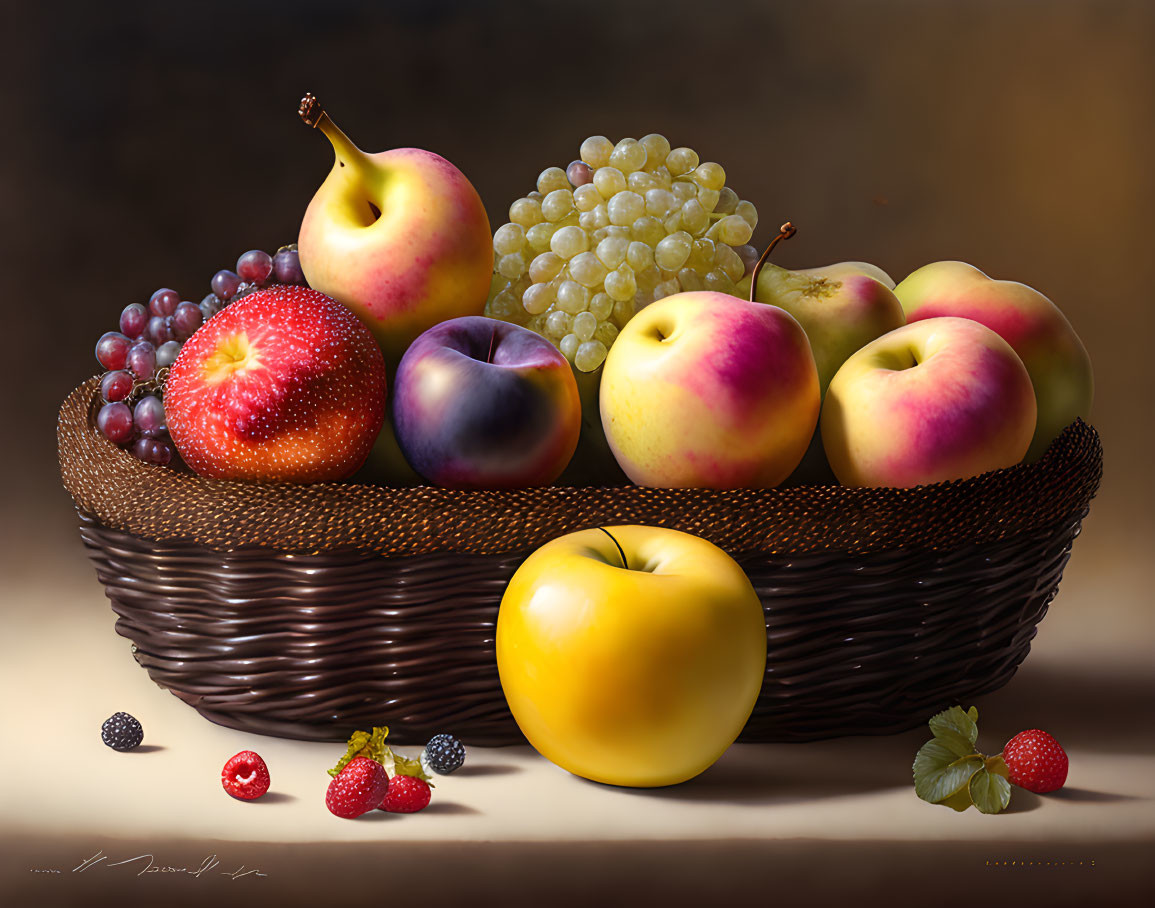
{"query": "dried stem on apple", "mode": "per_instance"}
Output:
(315, 116)
(786, 231)
(621, 552)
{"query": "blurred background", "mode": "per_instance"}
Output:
(149, 144)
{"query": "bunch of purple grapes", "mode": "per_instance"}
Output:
(137, 356)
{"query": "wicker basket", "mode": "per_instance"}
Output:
(308, 611)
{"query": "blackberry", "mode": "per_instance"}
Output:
(445, 754)
(121, 731)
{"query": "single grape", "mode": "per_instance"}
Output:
(681, 160)
(621, 283)
(148, 417)
(747, 212)
(512, 266)
(525, 213)
(708, 198)
(749, 256)
(557, 204)
(683, 191)
(111, 349)
(114, 420)
(623, 311)
(141, 360)
(657, 148)
(210, 306)
(133, 320)
(609, 181)
(596, 151)
(287, 267)
(255, 266)
(709, 175)
(625, 208)
(590, 355)
(568, 346)
(579, 173)
(539, 235)
(163, 302)
(584, 325)
(671, 253)
(734, 230)
(586, 197)
(628, 155)
(648, 230)
(702, 255)
(641, 182)
(115, 386)
(545, 267)
(557, 323)
(225, 284)
(690, 281)
(660, 202)
(695, 218)
(159, 330)
(717, 281)
(568, 242)
(727, 201)
(639, 255)
(508, 239)
(606, 333)
(611, 251)
(572, 297)
(153, 450)
(167, 353)
(602, 306)
(587, 270)
(187, 318)
(552, 179)
(538, 298)
(594, 220)
(730, 262)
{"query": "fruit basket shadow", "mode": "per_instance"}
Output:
(308, 611)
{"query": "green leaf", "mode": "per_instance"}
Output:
(363, 744)
(939, 772)
(956, 729)
(990, 791)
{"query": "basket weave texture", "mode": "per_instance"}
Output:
(307, 611)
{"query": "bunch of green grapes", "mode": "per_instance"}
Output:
(623, 226)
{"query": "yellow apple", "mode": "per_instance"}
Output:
(631, 655)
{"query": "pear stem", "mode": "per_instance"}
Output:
(625, 563)
(315, 116)
(786, 231)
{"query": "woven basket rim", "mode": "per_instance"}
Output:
(123, 493)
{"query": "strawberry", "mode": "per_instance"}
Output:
(406, 794)
(357, 788)
(1035, 761)
(245, 776)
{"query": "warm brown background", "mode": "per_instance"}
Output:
(148, 144)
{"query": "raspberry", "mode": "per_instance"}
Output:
(121, 731)
(357, 788)
(406, 794)
(245, 776)
(1035, 761)
(445, 754)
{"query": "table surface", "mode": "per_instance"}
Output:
(64, 670)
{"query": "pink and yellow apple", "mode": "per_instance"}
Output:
(1040, 334)
(400, 237)
(940, 399)
(632, 655)
(709, 391)
(481, 403)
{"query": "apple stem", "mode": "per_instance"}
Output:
(315, 116)
(621, 552)
(786, 231)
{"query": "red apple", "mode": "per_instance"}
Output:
(285, 384)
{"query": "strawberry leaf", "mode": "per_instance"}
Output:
(398, 765)
(956, 729)
(939, 772)
(363, 744)
(989, 791)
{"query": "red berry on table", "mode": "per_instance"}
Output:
(406, 794)
(357, 789)
(1035, 761)
(245, 776)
